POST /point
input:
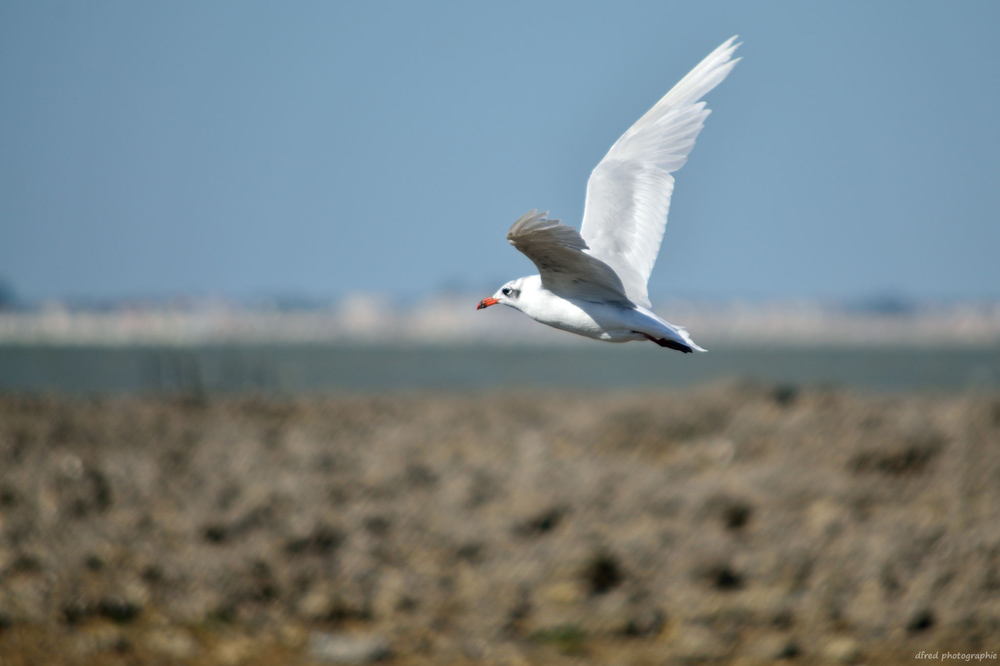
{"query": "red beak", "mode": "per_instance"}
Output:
(487, 302)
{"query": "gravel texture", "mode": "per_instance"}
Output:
(733, 524)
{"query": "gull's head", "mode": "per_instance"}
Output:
(505, 295)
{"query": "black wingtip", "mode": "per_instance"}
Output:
(673, 344)
(666, 342)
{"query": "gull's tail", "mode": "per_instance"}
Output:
(673, 336)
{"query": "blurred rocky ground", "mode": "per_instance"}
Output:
(735, 524)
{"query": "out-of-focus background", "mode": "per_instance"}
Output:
(249, 415)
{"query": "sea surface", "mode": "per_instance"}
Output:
(339, 368)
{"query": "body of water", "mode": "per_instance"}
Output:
(295, 368)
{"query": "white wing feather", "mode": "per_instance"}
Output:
(628, 193)
(566, 269)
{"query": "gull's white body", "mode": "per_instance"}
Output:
(593, 282)
(600, 320)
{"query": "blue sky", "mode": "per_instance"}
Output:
(237, 148)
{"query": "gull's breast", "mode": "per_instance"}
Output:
(594, 319)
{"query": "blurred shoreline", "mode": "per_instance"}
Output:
(452, 319)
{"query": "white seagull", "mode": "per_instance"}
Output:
(593, 282)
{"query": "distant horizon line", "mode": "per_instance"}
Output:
(876, 300)
(310, 301)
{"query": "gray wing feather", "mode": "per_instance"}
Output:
(563, 260)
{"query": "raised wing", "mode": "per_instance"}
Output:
(628, 193)
(565, 267)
